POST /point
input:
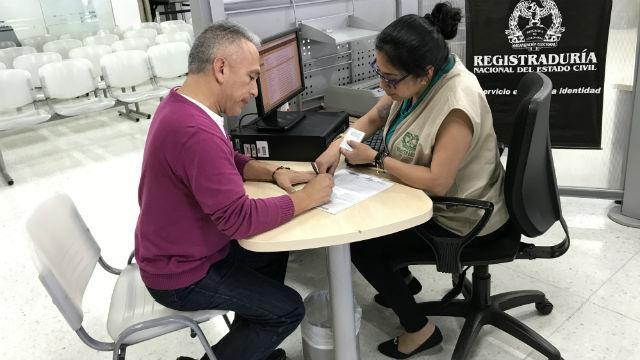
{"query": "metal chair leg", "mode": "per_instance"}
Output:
(226, 320)
(139, 112)
(120, 353)
(3, 171)
(127, 113)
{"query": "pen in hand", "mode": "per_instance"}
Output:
(315, 168)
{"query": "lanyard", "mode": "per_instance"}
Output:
(407, 107)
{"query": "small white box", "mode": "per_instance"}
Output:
(352, 134)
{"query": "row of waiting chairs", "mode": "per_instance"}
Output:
(162, 65)
(176, 52)
(66, 46)
(166, 27)
(70, 87)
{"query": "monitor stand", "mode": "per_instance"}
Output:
(279, 121)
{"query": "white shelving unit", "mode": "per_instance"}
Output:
(338, 29)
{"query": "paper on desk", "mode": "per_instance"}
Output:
(350, 188)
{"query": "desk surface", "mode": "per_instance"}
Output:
(395, 209)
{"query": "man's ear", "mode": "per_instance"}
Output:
(218, 68)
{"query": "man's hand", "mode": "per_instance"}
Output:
(286, 179)
(317, 192)
(361, 153)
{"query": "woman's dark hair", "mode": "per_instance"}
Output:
(412, 43)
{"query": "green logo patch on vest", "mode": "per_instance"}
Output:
(408, 145)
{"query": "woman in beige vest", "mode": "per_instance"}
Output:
(439, 137)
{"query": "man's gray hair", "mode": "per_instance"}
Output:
(214, 38)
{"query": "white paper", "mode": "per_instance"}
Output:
(352, 134)
(351, 188)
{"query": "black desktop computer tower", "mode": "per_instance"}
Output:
(305, 141)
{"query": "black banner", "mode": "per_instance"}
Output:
(564, 39)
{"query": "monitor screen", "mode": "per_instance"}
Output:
(280, 72)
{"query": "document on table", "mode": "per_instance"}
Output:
(350, 188)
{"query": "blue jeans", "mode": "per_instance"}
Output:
(252, 286)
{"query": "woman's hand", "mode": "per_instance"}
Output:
(328, 161)
(361, 153)
(286, 178)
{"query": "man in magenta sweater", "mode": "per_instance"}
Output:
(193, 204)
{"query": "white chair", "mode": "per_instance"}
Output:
(169, 23)
(149, 34)
(104, 39)
(77, 35)
(128, 69)
(169, 63)
(118, 31)
(178, 28)
(62, 47)
(17, 93)
(147, 25)
(7, 55)
(104, 31)
(33, 62)
(92, 53)
(180, 36)
(37, 41)
(7, 44)
(69, 81)
(131, 44)
(65, 254)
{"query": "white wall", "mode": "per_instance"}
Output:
(126, 13)
(24, 16)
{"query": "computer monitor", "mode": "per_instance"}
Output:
(281, 80)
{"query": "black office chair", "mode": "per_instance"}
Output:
(533, 203)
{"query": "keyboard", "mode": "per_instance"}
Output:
(376, 141)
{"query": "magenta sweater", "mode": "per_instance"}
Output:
(192, 199)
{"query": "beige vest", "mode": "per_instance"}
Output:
(481, 175)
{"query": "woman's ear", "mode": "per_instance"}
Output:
(429, 73)
(427, 76)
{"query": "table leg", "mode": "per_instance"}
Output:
(341, 289)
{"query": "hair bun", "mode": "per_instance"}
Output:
(446, 18)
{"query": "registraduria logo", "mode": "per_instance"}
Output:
(535, 35)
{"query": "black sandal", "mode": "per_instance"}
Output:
(390, 348)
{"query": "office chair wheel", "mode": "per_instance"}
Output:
(544, 307)
(193, 334)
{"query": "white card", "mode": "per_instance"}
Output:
(352, 134)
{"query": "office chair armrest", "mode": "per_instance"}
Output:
(448, 249)
(108, 268)
(531, 251)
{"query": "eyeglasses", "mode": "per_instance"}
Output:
(391, 82)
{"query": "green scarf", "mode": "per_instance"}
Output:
(407, 107)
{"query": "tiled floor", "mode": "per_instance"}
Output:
(96, 159)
